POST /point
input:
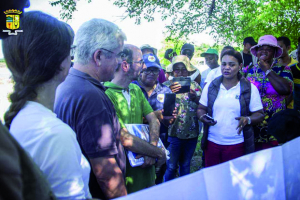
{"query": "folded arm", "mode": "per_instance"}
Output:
(154, 127)
(139, 146)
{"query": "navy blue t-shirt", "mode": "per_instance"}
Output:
(81, 103)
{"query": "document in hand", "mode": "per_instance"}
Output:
(141, 131)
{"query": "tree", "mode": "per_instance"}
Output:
(227, 20)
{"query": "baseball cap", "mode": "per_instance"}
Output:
(210, 51)
(151, 60)
(147, 46)
(188, 46)
(249, 40)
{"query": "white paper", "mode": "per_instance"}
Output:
(141, 131)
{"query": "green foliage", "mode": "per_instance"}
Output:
(169, 44)
(68, 7)
(227, 21)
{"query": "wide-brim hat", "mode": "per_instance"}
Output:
(169, 68)
(181, 59)
(268, 40)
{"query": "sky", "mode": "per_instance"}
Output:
(146, 33)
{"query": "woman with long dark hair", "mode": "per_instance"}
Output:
(39, 60)
(229, 106)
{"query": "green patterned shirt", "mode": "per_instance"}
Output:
(186, 124)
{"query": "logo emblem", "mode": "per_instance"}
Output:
(12, 21)
(160, 98)
(151, 58)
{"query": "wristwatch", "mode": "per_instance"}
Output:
(249, 120)
(268, 72)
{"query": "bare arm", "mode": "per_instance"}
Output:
(198, 79)
(201, 110)
(165, 120)
(109, 176)
(139, 146)
(154, 126)
(280, 84)
(255, 117)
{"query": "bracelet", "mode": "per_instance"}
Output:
(268, 72)
(201, 117)
(249, 120)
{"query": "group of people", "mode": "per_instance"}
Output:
(72, 120)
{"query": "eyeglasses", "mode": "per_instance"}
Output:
(117, 55)
(183, 71)
(153, 71)
(141, 62)
(107, 50)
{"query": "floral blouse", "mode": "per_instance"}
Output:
(271, 100)
(186, 124)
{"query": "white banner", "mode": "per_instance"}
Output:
(269, 174)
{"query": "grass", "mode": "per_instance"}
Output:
(196, 162)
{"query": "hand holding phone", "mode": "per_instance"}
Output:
(175, 87)
(185, 84)
(208, 120)
(169, 104)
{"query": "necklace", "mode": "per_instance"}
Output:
(257, 67)
(263, 89)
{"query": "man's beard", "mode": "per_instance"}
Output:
(132, 75)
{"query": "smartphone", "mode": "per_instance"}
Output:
(185, 83)
(169, 104)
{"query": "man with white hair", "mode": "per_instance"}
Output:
(82, 104)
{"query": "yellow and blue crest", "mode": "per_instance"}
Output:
(12, 21)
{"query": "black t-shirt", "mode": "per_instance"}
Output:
(81, 103)
(247, 59)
